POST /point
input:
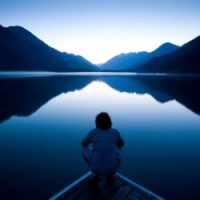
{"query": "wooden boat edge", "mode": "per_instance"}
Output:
(136, 185)
(118, 175)
(70, 186)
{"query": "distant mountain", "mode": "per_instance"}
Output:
(185, 60)
(132, 60)
(124, 61)
(21, 50)
(164, 49)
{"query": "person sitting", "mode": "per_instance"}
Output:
(101, 148)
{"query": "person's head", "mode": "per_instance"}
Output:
(103, 121)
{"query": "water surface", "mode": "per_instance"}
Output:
(43, 119)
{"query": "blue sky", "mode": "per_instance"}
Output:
(101, 29)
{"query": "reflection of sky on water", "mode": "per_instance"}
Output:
(161, 139)
(82, 106)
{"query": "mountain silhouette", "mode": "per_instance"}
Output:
(124, 61)
(164, 49)
(21, 50)
(24, 96)
(130, 61)
(184, 60)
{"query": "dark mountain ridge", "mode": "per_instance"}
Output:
(130, 61)
(123, 61)
(21, 50)
(164, 49)
(184, 60)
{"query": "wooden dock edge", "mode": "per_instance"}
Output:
(123, 178)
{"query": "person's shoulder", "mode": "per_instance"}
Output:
(93, 131)
(114, 130)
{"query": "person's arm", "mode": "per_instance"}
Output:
(86, 140)
(120, 141)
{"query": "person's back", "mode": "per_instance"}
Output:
(104, 159)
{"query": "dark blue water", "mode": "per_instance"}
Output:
(43, 119)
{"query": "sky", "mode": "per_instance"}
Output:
(101, 29)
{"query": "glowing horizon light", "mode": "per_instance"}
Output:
(100, 30)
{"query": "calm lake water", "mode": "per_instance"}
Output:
(43, 120)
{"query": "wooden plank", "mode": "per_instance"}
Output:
(134, 195)
(72, 185)
(103, 191)
(75, 194)
(93, 191)
(110, 190)
(142, 189)
(147, 198)
(122, 192)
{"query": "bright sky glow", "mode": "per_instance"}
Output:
(99, 30)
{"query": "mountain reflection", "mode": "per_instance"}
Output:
(23, 96)
(183, 89)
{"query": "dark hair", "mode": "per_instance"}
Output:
(103, 121)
